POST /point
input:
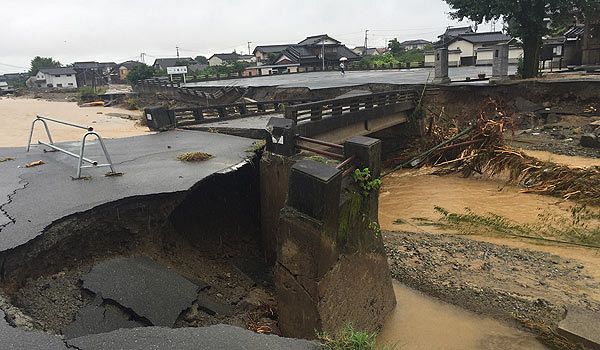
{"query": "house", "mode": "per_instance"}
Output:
(164, 63)
(314, 51)
(371, 51)
(271, 69)
(58, 78)
(4, 87)
(453, 58)
(485, 55)
(228, 58)
(93, 73)
(418, 44)
(119, 73)
(265, 53)
(469, 43)
(451, 33)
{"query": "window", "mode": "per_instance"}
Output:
(58, 85)
(49, 85)
(57, 75)
(68, 75)
(70, 84)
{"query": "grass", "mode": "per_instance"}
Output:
(194, 156)
(257, 146)
(579, 226)
(350, 338)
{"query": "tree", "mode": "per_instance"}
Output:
(201, 59)
(525, 20)
(42, 62)
(395, 48)
(139, 72)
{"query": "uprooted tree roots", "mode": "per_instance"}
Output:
(479, 148)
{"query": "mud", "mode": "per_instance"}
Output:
(422, 322)
(17, 114)
(529, 288)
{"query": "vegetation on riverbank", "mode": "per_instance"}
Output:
(350, 338)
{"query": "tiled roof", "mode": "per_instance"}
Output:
(481, 38)
(313, 40)
(58, 71)
(271, 48)
(172, 61)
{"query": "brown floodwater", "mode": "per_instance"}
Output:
(16, 115)
(421, 322)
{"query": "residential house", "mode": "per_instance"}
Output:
(271, 69)
(4, 87)
(314, 51)
(93, 73)
(564, 50)
(227, 58)
(164, 63)
(57, 78)
(371, 51)
(119, 73)
(451, 33)
(453, 58)
(470, 43)
(265, 53)
(418, 44)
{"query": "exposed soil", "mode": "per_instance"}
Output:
(528, 287)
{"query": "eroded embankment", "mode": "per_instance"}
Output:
(206, 238)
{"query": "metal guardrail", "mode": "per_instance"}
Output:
(336, 107)
(81, 159)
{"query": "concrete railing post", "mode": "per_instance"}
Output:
(367, 153)
(281, 137)
(500, 63)
(441, 66)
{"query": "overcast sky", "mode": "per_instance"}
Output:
(119, 30)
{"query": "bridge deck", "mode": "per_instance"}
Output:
(32, 198)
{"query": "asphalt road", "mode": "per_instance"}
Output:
(321, 80)
(32, 198)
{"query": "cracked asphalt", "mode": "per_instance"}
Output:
(32, 198)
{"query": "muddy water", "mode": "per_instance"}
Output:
(421, 322)
(410, 194)
(16, 115)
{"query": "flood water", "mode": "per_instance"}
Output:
(17, 114)
(420, 322)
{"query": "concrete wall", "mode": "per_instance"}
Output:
(464, 46)
(514, 54)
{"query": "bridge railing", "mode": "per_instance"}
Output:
(336, 107)
(186, 116)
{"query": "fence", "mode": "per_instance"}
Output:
(337, 107)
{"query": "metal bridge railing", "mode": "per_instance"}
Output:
(81, 159)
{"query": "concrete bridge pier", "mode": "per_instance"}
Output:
(330, 266)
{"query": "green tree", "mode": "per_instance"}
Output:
(525, 20)
(42, 62)
(201, 59)
(395, 48)
(139, 72)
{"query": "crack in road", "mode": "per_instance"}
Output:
(10, 200)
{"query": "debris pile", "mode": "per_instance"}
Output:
(479, 148)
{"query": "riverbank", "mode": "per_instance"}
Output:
(522, 281)
(16, 115)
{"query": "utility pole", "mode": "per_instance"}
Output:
(323, 52)
(249, 42)
(177, 48)
(366, 41)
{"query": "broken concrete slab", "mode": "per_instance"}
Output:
(96, 319)
(218, 337)
(14, 338)
(211, 307)
(149, 289)
(581, 326)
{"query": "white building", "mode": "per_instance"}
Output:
(3, 86)
(228, 58)
(453, 58)
(61, 78)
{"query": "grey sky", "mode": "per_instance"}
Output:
(118, 30)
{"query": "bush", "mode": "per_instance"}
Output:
(88, 94)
